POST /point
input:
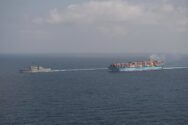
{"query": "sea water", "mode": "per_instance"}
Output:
(93, 97)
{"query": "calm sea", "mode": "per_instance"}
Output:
(91, 97)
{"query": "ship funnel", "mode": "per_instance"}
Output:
(156, 57)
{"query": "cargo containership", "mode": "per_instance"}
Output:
(146, 65)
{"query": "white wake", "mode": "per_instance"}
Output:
(175, 67)
(86, 69)
(94, 69)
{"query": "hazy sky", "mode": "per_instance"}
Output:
(93, 26)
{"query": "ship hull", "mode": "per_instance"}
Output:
(121, 69)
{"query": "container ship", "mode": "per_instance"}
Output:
(146, 65)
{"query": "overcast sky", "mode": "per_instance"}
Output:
(94, 26)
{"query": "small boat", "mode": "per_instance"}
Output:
(35, 69)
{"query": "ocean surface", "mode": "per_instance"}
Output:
(91, 97)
